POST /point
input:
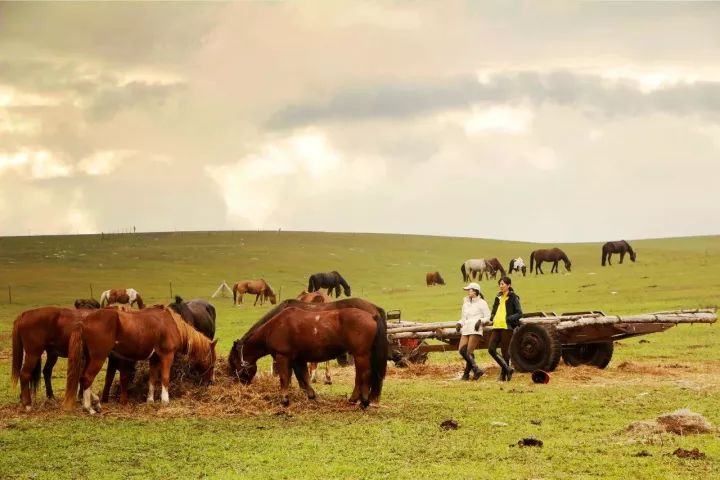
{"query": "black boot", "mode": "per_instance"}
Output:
(466, 373)
(477, 371)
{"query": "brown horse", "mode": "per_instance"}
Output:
(128, 296)
(434, 278)
(315, 297)
(549, 255)
(295, 333)
(493, 267)
(260, 288)
(45, 329)
(155, 334)
(622, 247)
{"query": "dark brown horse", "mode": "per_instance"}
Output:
(622, 247)
(494, 266)
(127, 296)
(87, 303)
(45, 329)
(260, 288)
(295, 333)
(548, 255)
(156, 334)
(434, 278)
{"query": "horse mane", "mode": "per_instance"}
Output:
(265, 318)
(267, 284)
(197, 345)
(341, 279)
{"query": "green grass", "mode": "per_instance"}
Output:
(583, 419)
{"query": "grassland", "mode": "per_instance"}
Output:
(583, 412)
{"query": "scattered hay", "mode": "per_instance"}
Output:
(684, 421)
(655, 370)
(415, 370)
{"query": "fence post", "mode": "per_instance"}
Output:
(171, 295)
(280, 294)
(9, 294)
(91, 292)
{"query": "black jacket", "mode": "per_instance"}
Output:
(512, 307)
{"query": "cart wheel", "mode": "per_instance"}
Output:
(534, 347)
(595, 354)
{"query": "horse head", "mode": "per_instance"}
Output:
(239, 367)
(346, 290)
(270, 295)
(439, 278)
(633, 255)
(568, 264)
(205, 364)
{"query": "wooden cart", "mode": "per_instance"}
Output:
(543, 338)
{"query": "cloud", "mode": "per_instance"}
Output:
(591, 93)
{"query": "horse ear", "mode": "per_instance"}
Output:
(213, 343)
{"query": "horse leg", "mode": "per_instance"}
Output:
(30, 363)
(256, 300)
(538, 269)
(47, 373)
(152, 377)
(303, 377)
(313, 372)
(622, 256)
(165, 366)
(91, 370)
(126, 371)
(608, 258)
(109, 377)
(285, 376)
(362, 371)
(328, 380)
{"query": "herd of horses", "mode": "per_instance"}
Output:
(308, 329)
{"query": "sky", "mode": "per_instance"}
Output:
(537, 121)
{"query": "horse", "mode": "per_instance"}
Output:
(262, 290)
(45, 329)
(156, 334)
(622, 247)
(434, 278)
(87, 303)
(495, 266)
(127, 296)
(197, 313)
(315, 297)
(295, 333)
(548, 255)
(474, 266)
(330, 280)
(517, 265)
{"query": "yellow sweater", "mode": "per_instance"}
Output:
(500, 319)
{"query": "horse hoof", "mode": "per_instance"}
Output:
(312, 396)
(28, 408)
(285, 402)
(90, 411)
(364, 404)
(150, 400)
(352, 400)
(328, 382)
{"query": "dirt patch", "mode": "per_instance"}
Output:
(693, 454)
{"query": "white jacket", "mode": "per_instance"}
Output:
(472, 311)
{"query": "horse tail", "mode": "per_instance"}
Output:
(378, 356)
(76, 363)
(532, 260)
(311, 285)
(464, 272)
(211, 311)
(17, 351)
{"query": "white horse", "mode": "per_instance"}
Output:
(517, 265)
(129, 296)
(473, 267)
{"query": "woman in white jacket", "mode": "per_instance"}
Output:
(474, 310)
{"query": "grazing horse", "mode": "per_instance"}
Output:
(548, 255)
(197, 313)
(494, 265)
(316, 297)
(330, 280)
(434, 278)
(622, 247)
(127, 296)
(517, 265)
(260, 288)
(45, 329)
(474, 266)
(156, 334)
(295, 333)
(87, 303)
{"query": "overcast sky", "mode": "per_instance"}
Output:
(540, 121)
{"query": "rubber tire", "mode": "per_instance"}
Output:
(594, 354)
(535, 347)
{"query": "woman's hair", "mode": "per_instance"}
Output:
(478, 293)
(506, 280)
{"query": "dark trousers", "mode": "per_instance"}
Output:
(497, 337)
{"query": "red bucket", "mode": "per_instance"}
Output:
(540, 376)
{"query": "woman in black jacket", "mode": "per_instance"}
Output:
(505, 316)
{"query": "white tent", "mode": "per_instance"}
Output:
(222, 290)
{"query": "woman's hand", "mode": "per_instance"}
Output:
(458, 327)
(477, 325)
